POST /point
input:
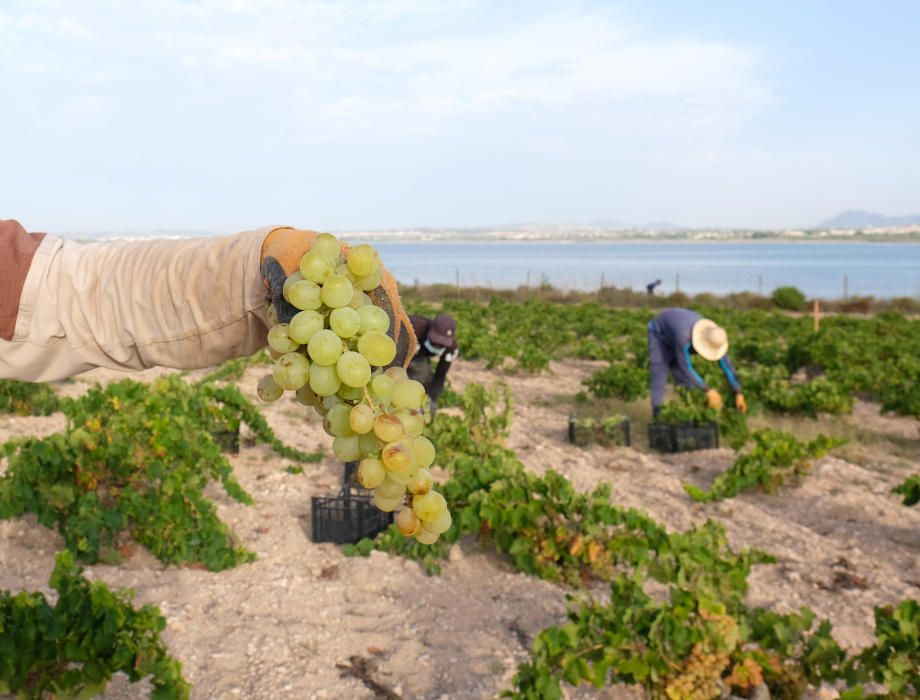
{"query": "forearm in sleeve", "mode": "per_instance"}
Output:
(137, 304)
(689, 376)
(728, 368)
(436, 385)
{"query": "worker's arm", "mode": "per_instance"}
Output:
(129, 304)
(67, 307)
(730, 373)
(689, 376)
(436, 386)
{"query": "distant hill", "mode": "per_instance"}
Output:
(853, 218)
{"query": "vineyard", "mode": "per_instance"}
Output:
(787, 560)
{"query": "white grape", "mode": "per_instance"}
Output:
(371, 473)
(372, 281)
(363, 260)
(305, 295)
(353, 369)
(412, 420)
(337, 291)
(373, 318)
(408, 522)
(430, 506)
(390, 489)
(382, 386)
(325, 347)
(425, 536)
(420, 483)
(423, 452)
(336, 422)
(346, 448)
(268, 389)
(387, 505)
(291, 371)
(324, 380)
(361, 418)
(397, 374)
(328, 245)
(388, 427)
(345, 321)
(279, 341)
(316, 267)
(408, 394)
(304, 325)
(377, 347)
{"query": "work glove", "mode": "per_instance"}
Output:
(714, 399)
(451, 356)
(281, 253)
(740, 403)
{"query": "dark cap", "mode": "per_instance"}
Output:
(442, 332)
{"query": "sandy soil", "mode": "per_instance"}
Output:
(286, 625)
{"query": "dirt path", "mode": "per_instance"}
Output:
(303, 621)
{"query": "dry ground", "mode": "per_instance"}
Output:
(283, 626)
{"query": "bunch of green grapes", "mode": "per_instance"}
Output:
(335, 354)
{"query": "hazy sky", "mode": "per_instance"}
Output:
(228, 114)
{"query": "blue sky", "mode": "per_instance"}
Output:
(222, 115)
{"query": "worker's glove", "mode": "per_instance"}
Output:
(281, 253)
(450, 356)
(714, 399)
(740, 403)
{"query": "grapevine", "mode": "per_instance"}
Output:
(72, 648)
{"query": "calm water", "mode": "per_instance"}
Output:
(818, 269)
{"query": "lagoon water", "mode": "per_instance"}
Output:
(818, 269)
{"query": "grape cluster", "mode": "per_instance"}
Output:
(335, 354)
(699, 679)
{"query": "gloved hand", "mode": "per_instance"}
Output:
(714, 399)
(451, 356)
(281, 253)
(740, 403)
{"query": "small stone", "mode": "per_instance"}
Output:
(456, 553)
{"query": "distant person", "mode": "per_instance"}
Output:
(674, 336)
(66, 307)
(650, 287)
(436, 341)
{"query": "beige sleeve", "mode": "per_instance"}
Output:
(137, 304)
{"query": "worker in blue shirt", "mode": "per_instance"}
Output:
(674, 337)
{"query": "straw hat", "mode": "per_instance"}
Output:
(709, 339)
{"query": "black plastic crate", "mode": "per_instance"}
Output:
(683, 437)
(599, 434)
(346, 518)
(227, 440)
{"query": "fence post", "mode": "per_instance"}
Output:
(759, 285)
(458, 281)
(817, 315)
(677, 282)
(846, 290)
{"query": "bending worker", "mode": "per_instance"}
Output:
(674, 336)
(436, 340)
(66, 307)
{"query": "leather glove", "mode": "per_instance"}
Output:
(714, 399)
(282, 250)
(740, 403)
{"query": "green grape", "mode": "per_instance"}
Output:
(353, 369)
(387, 505)
(316, 267)
(361, 418)
(329, 401)
(441, 523)
(306, 395)
(377, 347)
(397, 457)
(412, 420)
(390, 489)
(408, 394)
(271, 315)
(420, 483)
(304, 325)
(388, 427)
(345, 272)
(370, 444)
(336, 422)
(279, 341)
(325, 347)
(399, 477)
(372, 281)
(407, 522)
(345, 321)
(358, 299)
(268, 389)
(291, 371)
(373, 318)
(397, 373)
(346, 448)
(350, 393)
(425, 536)
(371, 473)
(305, 295)
(291, 279)
(423, 452)
(382, 386)
(328, 245)
(430, 506)
(337, 291)
(363, 260)
(324, 380)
